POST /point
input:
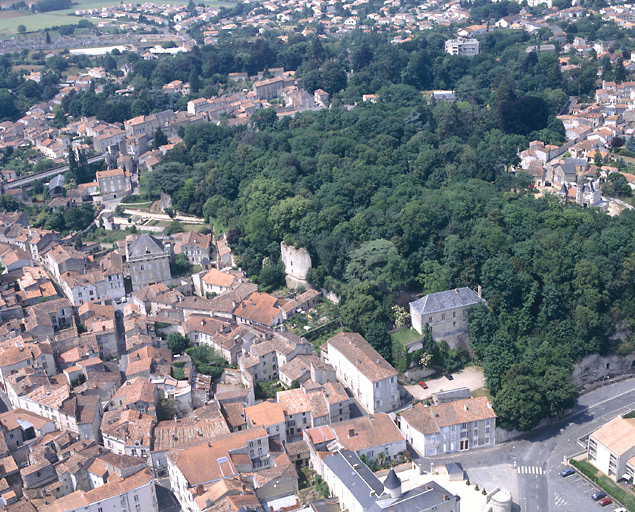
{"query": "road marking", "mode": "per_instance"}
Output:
(560, 501)
(531, 470)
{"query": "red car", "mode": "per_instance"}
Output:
(605, 501)
(423, 385)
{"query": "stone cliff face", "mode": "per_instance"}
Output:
(595, 367)
(297, 263)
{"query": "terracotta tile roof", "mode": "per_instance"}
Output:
(227, 302)
(187, 431)
(234, 414)
(265, 414)
(13, 419)
(203, 463)
(334, 393)
(618, 435)
(136, 390)
(260, 308)
(130, 426)
(114, 487)
(364, 357)
(367, 431)
(295, 401)
(204, 324)
(429, 420)
(219, 278)
(323, 434)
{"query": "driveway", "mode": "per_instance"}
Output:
(470, 377)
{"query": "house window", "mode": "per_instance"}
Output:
(443, 316)
(454, 314)
(430, 320)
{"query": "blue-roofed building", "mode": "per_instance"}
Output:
(445, 313)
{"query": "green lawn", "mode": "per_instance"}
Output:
(9, 20)
(405, 336)
(626, 498)
(483, 392)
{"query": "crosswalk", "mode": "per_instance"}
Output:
(560, 501)
(531, 470)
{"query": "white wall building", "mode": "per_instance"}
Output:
(449, 427)
(372, 380)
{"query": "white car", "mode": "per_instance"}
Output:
(620, 510)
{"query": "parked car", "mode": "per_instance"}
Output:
(598, 495)
(605, 501)
(620, 510)
(449, 376)
(567, 472)
(423, 384)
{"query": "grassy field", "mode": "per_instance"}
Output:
(405, 336)
(10, 19)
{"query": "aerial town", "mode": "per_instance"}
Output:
(317, 256)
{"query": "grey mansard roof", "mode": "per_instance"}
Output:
(369, 491)
(144, 244)
(443, 301)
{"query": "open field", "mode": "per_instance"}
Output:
(10, 19)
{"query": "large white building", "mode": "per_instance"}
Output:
(372, 380)
(612, 448)
(462, 46)
(449, 427)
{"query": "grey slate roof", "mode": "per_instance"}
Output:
(361, 482)
(58, 181)
(144, 244)
(355, 476)
(420, 499)
(392, 480)
(443, 301)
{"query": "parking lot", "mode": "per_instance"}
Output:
(470, 377)
(586, 488)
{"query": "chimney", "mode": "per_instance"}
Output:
(199, 490)
(446, 497)
(351, 432)
(479, 291)
(465, 407)
(456, 290)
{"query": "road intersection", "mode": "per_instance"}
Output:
(530, 466)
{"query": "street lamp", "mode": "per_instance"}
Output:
(604, 379)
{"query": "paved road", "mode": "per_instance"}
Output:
(529, 467)
(164, 217)
(46, 174)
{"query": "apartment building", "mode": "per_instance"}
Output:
(371, 379)
(147, 260)
(113, 184)
(449, 427)
(611, 448)
(462, 46)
